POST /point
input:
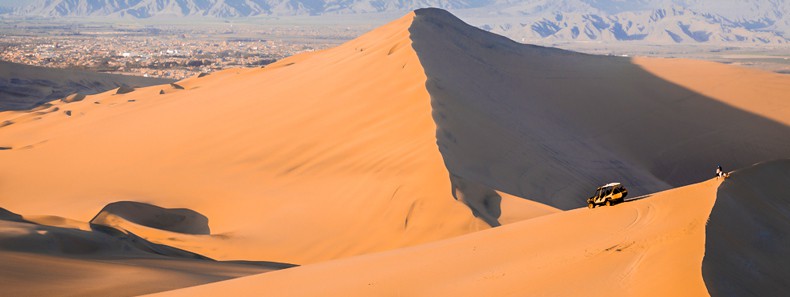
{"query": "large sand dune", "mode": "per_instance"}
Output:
(315, 157)
(381, 165)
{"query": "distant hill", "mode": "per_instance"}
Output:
(25, 86)
(674, 24)
(653, 21)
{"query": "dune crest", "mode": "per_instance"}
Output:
(749, 232)
(319, 156)
(175, 220)
(649, 247)
(552, 125)
(46, 254)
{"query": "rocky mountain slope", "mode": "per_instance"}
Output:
(673, 24)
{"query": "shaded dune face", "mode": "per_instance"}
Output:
(551, 125)
(108, 240)
(24, 87)
(32, 238)
(748, 233)
(41, 260)
(10, 216)
(170, 219)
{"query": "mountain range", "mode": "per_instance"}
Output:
(673, 24)
(654, 21)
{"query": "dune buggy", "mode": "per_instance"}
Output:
(609, 194)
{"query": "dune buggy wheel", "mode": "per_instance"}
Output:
(608, 202)
(590, 205)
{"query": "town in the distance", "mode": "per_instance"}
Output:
(182, 39)
(171, 51)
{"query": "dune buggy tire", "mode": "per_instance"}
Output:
(608, 202)
(590, 205)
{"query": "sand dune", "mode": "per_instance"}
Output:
(748, 234)
(173, 220)
(24, 86)
(299, 162)
(55, 256)
(760, 92)
(381, 166)
(649, 247)
(550, 125)
(25, 274)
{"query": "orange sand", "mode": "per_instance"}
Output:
(764, 93)
(297, 162)
(649, 247)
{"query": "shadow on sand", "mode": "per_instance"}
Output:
(552, 125)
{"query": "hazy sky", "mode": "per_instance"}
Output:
(14, 2)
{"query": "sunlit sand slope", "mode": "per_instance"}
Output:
(649, 247)
(319, 156)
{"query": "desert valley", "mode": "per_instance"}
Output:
(426, 157)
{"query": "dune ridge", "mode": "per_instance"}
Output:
(175, 220)
(648, 247)
(52, 256)
(656, 246)
(749, 232)
(662, 258)
(549, 125)
(345, 167)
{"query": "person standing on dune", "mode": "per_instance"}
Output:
(720, 172)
